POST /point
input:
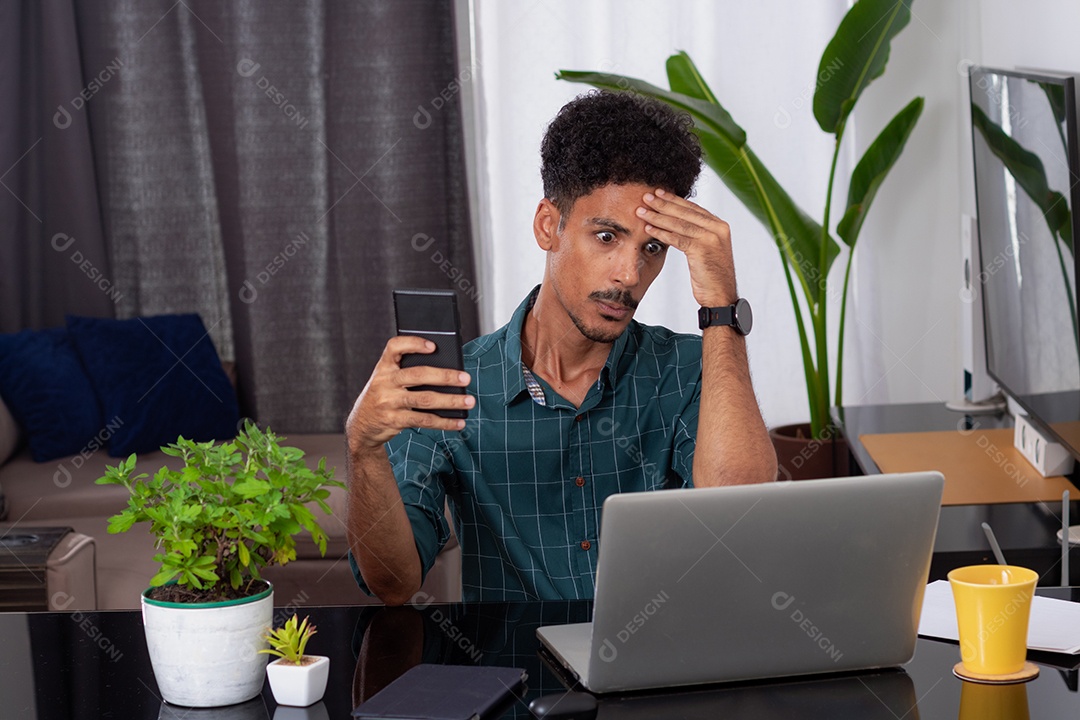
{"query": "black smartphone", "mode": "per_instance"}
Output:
(432, 315)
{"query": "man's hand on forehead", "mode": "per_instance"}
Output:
(703, 237)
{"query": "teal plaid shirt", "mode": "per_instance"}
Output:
(528, 475)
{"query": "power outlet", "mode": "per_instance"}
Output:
(1045, 455)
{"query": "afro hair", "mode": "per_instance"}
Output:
(603, 138)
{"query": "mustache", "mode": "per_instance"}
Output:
(622, 297)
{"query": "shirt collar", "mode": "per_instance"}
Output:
(515, 377)
(610, 372)
(514, 369)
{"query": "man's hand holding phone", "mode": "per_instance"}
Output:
(387, 405)
(418, 382)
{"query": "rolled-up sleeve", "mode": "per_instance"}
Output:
(420, 467)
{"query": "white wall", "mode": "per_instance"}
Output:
(908, 286)
(903, 327)
(903, 341)
(1035, 34)
(755, 73)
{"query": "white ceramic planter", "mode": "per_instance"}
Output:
(298, 685)
(207, 654)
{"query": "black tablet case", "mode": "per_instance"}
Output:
(445, 692)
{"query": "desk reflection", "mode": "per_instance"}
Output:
(254, 709)
(994, 702)
(53, 669)
(393, 642)
(887, 695)
(250, 710)
(389, 641)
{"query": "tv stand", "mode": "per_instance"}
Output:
(996, 404)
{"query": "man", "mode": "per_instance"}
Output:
(572, 400)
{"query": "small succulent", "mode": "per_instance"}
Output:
(289, 641)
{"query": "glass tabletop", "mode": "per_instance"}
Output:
(94, 665)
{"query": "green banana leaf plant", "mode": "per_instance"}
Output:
(1055, 95)
(1027, 169)
(856, 55)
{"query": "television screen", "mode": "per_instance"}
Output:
(1024, 137)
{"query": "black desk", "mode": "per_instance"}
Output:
(94, 665)
(1027, 532)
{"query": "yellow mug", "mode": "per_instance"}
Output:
(993, 605)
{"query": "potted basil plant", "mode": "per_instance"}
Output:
(232, 509)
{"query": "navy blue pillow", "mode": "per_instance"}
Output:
(48, 392)
(157, 378)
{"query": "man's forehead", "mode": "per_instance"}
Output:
(614, 195)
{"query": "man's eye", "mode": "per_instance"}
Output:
(655, 248)
(605, 237)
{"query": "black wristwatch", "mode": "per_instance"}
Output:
(739, 316)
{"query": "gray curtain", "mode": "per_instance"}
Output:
(52, 250)
(267, 165)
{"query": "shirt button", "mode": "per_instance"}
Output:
(579, 418)
(585, 544)
(580, 482)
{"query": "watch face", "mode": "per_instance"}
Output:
(744, 316)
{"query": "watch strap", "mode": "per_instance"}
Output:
(709, 317)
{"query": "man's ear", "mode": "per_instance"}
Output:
(546, 225)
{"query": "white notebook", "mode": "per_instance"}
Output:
(1054, 625)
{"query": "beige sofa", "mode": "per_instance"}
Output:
(63, 493)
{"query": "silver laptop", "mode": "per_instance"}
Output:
(719, 584)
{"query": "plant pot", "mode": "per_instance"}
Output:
(800, 457)
(299, 685)
(207, 654)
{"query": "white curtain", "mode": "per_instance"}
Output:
(761, 60)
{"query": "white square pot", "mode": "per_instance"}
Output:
(298, 685)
